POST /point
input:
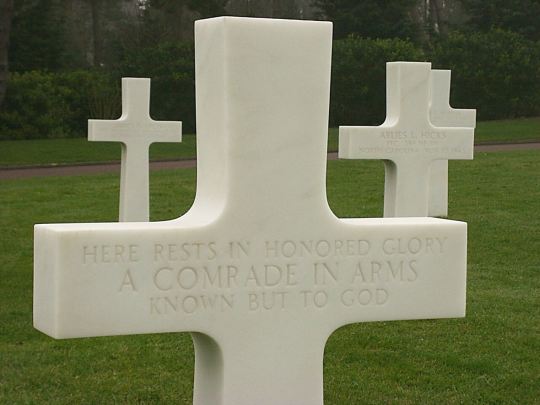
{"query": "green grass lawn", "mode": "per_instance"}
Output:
(79, 150)
(489, 357)
(506, 131)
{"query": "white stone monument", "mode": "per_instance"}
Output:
(407, 141)
(259, 269)
(136, 131)
(442, 115)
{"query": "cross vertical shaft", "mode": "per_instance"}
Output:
(442, 115)
(134, 183)
(400, 184)
(255, 107)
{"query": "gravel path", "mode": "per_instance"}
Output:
(77, 170)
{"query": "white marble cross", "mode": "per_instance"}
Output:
(407, 141)
(136, 131)
(442, 115)
(259, 269)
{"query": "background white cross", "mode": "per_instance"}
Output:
(407, 141)
(136, 131)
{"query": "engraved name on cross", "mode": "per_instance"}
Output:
(407, 141)
(136, 131)
(442, 115)
(259, 269)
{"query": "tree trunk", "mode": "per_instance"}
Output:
(436, 21)
(6, 15)
(96, 32)
(277, 12)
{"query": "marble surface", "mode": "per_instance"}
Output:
(407, 141)
(442, 115)
(136, 131)
(259, 269)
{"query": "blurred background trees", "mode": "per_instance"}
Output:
(370, 18)
(65, 57)
(6, 15)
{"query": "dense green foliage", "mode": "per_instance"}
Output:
(497, 72)
(485, 76)
(54, 91)
(37, 36)
(488, 357)
(50, 105)
(172, 69)
(521, 16)
(358, 94)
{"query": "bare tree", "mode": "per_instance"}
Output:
(437, 17)
(95, 7)
(266, 8)
(6, 15)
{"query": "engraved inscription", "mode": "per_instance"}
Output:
(316, 248)
(185, 251)
(110, 254)
(188, 304)
(407, 142)
(363, 297)
(189, 277)
(127, 282)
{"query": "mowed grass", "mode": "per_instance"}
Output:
(508, 131)
(489, 357)
(79, 150)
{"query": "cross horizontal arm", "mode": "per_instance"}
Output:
(132, 132)
(111, 279)
(388, 142)
(369, 142)
(135, 125)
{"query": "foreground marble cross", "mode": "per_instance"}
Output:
(136, 131)
(442, 115)
(259, 269)
(407, 141)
